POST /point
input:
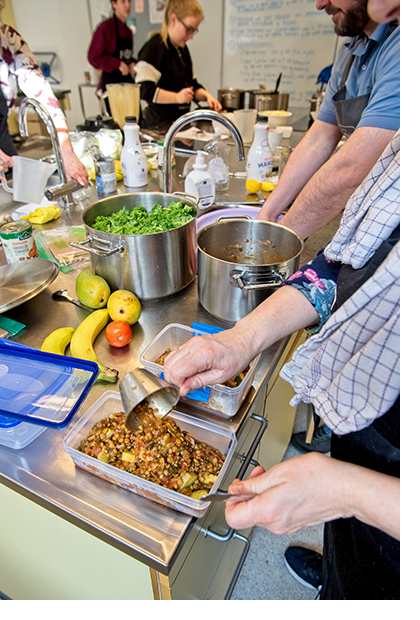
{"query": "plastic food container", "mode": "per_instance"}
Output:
(39, 390)
(110, 402)
(17, 435)
(219, 398)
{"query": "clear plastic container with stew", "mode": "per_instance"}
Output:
(110, 402)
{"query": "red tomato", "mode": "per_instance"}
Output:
(118, 333)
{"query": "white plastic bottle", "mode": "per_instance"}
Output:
(259, 163)
(200, 182)
(134, 165)
(218, 161)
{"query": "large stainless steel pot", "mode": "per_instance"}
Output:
(241, 262)
(151, 266)
(231, 98)
(262, 100)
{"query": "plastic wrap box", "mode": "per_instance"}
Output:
(110, 402)
(219, 398)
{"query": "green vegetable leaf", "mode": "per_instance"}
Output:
(139, 222)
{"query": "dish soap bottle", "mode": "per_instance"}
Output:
(218, 160)
(200, 182)
(134, 164)
(259, 163)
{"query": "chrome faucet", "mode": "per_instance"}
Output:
(186, 119)
(64, 189)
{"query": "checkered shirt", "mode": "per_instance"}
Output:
(350, 369)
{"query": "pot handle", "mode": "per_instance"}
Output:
(193, 197)
(81, 246)
(279, 278)
(233, 217)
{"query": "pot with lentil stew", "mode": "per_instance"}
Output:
(241, 262)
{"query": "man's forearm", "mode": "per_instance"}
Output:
(310, 154)
(327, 193)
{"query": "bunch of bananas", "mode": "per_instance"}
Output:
(81, 340)
(42, 215)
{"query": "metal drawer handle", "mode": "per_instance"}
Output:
(81, 246)
(247, 459)
(232, 533)
(277, 280)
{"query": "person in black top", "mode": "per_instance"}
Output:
(165, 70)
(111, 48)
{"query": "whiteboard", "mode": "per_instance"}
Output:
(265, 37)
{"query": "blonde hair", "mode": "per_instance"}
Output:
(182, 9)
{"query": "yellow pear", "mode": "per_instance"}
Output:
(93, 291)
(124, 306)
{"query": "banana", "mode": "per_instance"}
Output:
(58, 340)
(81, 344)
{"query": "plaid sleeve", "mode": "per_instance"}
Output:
(317, 280)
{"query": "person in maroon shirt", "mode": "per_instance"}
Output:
(111, 48)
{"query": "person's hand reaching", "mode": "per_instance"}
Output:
(185, 95)
(6, 162)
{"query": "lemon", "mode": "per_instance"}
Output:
(117, 165)
(149, 166)
(267, 186)
(253, 186)
(92, 175)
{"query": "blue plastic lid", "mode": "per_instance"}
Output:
(8, 422)
(41, 388)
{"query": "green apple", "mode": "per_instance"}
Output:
(124, 306)
(93, 291)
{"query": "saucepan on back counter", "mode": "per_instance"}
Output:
(241, 262)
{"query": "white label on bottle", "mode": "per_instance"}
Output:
(259, 170)
(205, 194)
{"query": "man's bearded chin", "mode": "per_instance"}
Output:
(353, 21)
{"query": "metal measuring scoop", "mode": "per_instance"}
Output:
(63, 295)
(140, 385)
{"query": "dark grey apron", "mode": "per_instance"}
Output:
(348, 112)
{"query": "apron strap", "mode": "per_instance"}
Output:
(347, 70)
(117, 38)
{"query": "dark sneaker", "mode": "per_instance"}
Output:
(305, 566)
(321, 441)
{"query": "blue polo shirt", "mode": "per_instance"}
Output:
(375, 70)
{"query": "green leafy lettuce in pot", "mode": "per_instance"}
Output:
(139, 222)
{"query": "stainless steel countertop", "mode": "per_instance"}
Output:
(42, 471)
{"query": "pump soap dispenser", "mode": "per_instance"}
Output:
(200, 182)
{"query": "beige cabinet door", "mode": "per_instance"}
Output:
(44, 557)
